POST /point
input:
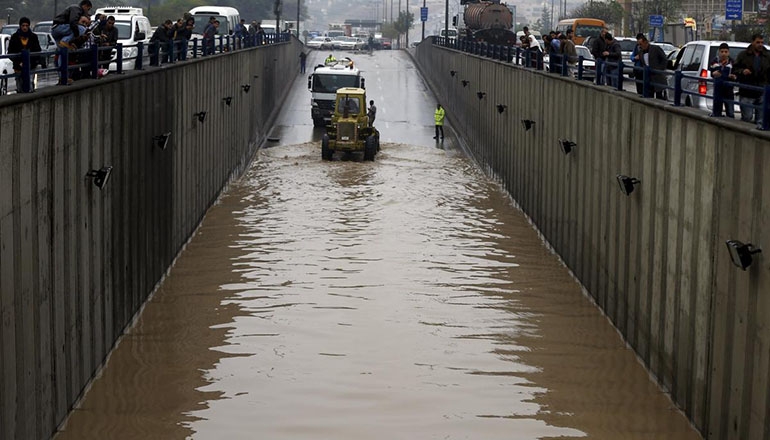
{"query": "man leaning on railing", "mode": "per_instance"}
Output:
(652, 56)
(752, 67)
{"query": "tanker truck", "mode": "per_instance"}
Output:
(489, 22)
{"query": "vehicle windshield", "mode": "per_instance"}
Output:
(124, 29)
(627, 45)
(583, 51)
(587, 30)
(351, 105)
(330, 83)
(202, 20)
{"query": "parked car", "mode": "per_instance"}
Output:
(336, 41)
(386, 43)
(6, 66)
(320, 43)
(47, 44)
(589, 63)
(692, 60)
(9, 29)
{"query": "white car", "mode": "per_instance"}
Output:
(6, 66)
(337, 41)
(589, 64)
(320, 43)
(351, 43)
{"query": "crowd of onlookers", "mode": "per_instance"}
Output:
(749, 72)
(74, 29)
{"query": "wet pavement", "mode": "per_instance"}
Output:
(404, 298)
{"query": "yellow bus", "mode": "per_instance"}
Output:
(581, 28)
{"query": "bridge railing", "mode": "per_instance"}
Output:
(677, 87)
(94, 61)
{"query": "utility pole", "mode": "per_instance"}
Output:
(298, 5)
(446, 19)
(277, 11)
(407, 24)
(423, 23)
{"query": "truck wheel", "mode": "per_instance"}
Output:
(326, 152)
(370, 148)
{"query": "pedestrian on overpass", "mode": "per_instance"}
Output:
(439, 117)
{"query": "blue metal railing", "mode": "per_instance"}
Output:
(674, 89)
(86, 62)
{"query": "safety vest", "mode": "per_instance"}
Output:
(330, 59)
(439, 115)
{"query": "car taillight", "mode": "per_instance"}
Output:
(703, 85)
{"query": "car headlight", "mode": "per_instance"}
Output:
(129, 52)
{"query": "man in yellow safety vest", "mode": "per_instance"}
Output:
(439, 116)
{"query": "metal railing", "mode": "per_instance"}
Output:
(677, 88)
(87, 62)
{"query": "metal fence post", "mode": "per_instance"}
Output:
(119, 58)
(195, 47)
(646, 83)
(620, 76)
(766, 109)
(64, 62)
(580, 67)
(139, 55)
(716, 108)
(220, 43)
(26, 72)
(94, 61)
(678, 88)
(564, 71)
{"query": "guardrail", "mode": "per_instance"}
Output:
(603, 72)
(87, 62)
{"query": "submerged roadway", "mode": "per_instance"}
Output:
(405, 298)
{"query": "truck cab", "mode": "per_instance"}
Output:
(323, 84)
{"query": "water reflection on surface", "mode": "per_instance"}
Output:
(404, 298)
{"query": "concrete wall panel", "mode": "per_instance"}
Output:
(656, 261)
(77, 262)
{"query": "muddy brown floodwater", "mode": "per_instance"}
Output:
(399, 299)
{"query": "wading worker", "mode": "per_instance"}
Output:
(439, 116)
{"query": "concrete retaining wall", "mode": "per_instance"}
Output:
(76, 262)
(656, 261)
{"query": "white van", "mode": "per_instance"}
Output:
(133, 27)
(228, 17)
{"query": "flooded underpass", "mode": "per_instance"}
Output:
(402, 298)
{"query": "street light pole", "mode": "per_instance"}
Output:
(407, 22)
(423, 23)
(446, 18)
(298, 5)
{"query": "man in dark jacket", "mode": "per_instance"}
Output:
(24, 39)
(752, 67)
(65, 25)
(108, 36)
(654, 57)
(160, 40)
(612, 54)
(598, 45)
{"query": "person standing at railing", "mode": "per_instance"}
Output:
(721, 66)
(24, 39)
(567, 47)
(653, 56)
(598, 45)
(65, 25)
(182, 36)
(160, 39)
(752, 67)
(108, 37)
(612, 54)
(209, 34)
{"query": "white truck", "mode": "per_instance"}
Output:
(323, 84)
